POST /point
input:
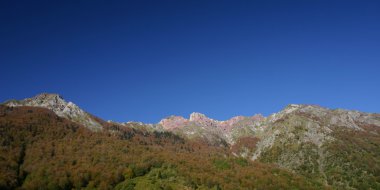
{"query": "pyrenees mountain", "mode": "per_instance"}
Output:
(59, 106)
(50, 143)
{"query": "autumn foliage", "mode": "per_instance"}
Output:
(39, 150)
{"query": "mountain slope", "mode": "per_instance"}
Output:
(40, 150)
(323, 144)
(59, 106)
(332, 148)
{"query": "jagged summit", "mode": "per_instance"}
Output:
(61, 107)
(48, 96)
(54, 102)
(292, 107)
(195, 116)
(198, 124)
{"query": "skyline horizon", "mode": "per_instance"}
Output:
(141, 60)
(188, 116)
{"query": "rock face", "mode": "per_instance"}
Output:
(318, 142)
(173, 122)
(202, 120)
(59, 106)
(199, 125)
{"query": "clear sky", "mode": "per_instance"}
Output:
(145, 60)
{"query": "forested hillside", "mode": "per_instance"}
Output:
(40, 150)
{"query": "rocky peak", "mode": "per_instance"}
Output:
(54, 102)
(48, 97)
(173, 122)
(58, 105)
(291, 107)
(195, 116)
(287, 110)
(202, 120)
(338, 117)
(258, 117)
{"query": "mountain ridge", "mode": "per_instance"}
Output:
(63, 108)
(68, 109)
(310, 140)
(60, 106)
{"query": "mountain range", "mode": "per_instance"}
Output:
(332, 149)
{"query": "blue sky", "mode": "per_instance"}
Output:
(145, 60)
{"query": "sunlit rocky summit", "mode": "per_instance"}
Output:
(199, 124)
(58, 105)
